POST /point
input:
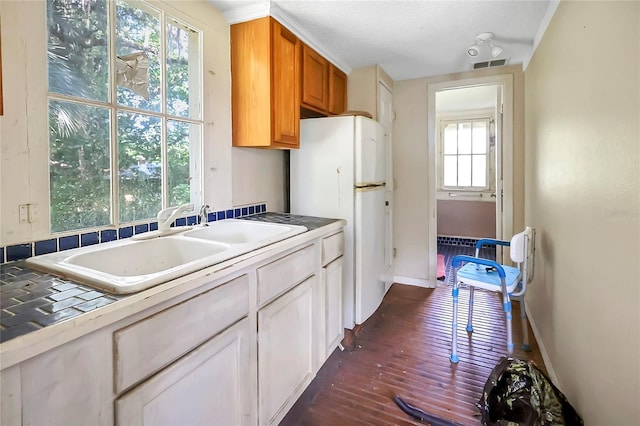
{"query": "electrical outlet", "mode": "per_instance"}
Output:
(33, 212)
(23, 213)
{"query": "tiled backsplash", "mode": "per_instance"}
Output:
(23, 251)
(457, 241)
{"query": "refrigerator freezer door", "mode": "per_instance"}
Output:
(370, 152)
(369, 250)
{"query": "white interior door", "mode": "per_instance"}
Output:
(385, 116)
(498, 172)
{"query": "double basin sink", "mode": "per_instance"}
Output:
(135, 264)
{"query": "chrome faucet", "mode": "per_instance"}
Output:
(204, 215)
(168, 215)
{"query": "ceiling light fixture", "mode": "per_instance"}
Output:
(484, 39)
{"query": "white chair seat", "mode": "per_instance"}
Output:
(484, 277)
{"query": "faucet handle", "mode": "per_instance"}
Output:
(173, 211)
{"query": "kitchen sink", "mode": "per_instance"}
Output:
(129, 266)
(245, 232)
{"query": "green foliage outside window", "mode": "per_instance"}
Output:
(90, 135)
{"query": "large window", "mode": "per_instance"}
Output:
(125, 116)
(465, 160)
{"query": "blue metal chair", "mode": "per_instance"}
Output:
(490, 275)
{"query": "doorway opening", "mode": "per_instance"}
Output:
(470, 166)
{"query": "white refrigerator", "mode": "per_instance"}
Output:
(340, 171)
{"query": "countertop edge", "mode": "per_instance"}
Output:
(27, 346)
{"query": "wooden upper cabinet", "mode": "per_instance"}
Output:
(337, 91)
(315, 80)
(265, 85)
(285, 86)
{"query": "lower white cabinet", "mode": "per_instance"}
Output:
(332, 283)
(285, 351)
(209, 386)
(240, 351)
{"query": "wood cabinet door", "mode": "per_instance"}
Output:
(332, 279)
(285, 87)
(251, 83)
(209, 386)
(337, 91)
(285, 351)
(315, 79)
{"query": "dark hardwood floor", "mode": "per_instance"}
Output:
(403, 349)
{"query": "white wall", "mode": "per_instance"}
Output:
(410, 164)
(23, 128)
(583, 197)
(258, 176)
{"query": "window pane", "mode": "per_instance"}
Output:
(183, 144)
(480, 137)
(138, 61)
(450, 170)
(79, 166)
(464, 138)
(464, 170)
(78, 48)
(451, 139)
(140, 166)
(479, 170)
(182, 76)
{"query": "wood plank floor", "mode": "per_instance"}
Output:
(403, 349)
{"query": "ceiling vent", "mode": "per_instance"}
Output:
(490, 64)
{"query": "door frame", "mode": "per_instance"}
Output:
(504, 188)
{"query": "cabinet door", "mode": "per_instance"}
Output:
(337, 91)
(315, 79)
(209, 386)
(251, 83)
(285, 351)
(285, 87)
(332, 279)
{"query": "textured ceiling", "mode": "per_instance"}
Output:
(410, 39)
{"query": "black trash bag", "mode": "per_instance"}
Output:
(518, 393)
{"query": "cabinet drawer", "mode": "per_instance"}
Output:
(332, 247)
(145, 347)
(284, 273)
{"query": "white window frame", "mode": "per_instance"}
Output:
(463, 117)
(196, 93)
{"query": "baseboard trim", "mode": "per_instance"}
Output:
(543, 350)
(418, 282)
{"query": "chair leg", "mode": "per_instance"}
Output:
(469, 320)
(454, 325)
(506, 303)
(525, 328)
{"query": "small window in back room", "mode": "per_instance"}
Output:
(465, 158)
(125, 112)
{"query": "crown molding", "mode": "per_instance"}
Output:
(253, 10)
(286, 20)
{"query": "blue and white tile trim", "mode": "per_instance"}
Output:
(457, 241)
(83, 239)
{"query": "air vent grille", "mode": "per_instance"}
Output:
(490, 64)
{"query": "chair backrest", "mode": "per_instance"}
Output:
(522, 250)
